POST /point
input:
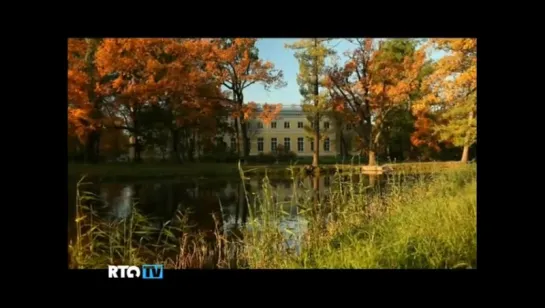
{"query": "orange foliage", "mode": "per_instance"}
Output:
(371, 83)
(268, 113)
(153, 69)
(392, 81)
(450, 90)
(79, 107)
(423, 134)
(456, 73)
(238, 67)
(248, 110)
(137, 64)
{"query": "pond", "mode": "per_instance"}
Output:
(209, 203)
(163, 197)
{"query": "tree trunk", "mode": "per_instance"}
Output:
(344, 147)
(237, 137)
(242, 135)
(374, 143)
(191, 153)
(93, 139)
(174, 150)
(92, 147)
(316, 190)
(137, 147)
(244, 140)
(97, 146)
(372, 180)
(197, 145)
(316, 155)
(137, 150)
(372, 157)
(465, 153)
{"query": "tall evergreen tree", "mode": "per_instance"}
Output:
(311, 54)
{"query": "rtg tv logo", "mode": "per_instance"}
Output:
(149, 271)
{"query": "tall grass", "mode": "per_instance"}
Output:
(414, 221)
(427, 222)
(136, 239)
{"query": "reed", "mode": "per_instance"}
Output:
(417, 220)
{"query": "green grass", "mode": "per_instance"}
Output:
(425, 222)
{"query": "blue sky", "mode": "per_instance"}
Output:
(283, 58)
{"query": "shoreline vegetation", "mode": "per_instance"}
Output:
(230, 169)
(427, 222)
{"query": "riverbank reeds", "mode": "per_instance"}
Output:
(122, 171)
(413, 221)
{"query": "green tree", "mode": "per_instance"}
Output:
(312, 54)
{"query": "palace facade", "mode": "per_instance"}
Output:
(288, 130)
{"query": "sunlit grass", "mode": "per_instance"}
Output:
(415, 221)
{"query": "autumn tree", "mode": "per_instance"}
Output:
(194, 96)
(452, 96)
(338, 120)
(422, 135)
(264, 113)
(407, 133)
(312, 54)
(113, 142)
(238, 66)
(148, 71)
(84, 116)
(376, 78)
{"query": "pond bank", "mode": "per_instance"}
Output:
(124, 170)
(420, 224)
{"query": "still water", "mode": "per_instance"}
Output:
(227, 198)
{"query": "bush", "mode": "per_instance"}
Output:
(220, 157)
(263, 158)
(287, 157)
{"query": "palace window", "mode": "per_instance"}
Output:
(273, 144)
(287, 144)
(326, 144)
(260, 144)
(300, 144)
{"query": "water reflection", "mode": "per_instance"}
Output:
(229, 200)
